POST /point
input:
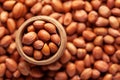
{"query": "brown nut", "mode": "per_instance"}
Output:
(92, 16)
(71, 28)
(114, 22)
(109, 49)
(71, 69)
(28, 50)
(109, 39)
(96, 4)
(110, 3)
(88, 35)
(95, 74)
(97, 52)
(30, 3)
(38, 24)
(67, 6)
(36, 73)
(86, 74)
(8, 5)
(18, 10)
(29, 38)
(43, 35)
(78, 4)
(37, 55)
(11, 64)
(113, 69)
(24, 68)
(108, 77)
(80, 66)
(55, 38)
(11, 25)
(104, 11)
(67, 18)
(2, 69)
(53, 47)
(2, 32)
(101, 66)
(80, 15)
(81, 53)
(46, 10)
(79, 42)
(54, 66)
(6, 41)
(66, 57)
(102, 22)
(50, 28)
(4, 16)
(46, 50)
(36, 8)
(71, 48)
(57, 5)
(38, 44)
(61, 76)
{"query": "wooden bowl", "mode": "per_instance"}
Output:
(53, 58)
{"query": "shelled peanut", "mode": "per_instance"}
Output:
(41, 40)
(93, 39)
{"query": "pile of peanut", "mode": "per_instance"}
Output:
(93, 39)
(41, 40)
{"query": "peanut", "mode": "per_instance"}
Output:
(101, 66)
(11, 64)
(24, 68)
(29, 38)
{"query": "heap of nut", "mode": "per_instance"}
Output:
(93, 39)
(44, 39)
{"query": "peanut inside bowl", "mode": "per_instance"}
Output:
(41, 41)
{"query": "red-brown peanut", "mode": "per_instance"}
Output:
(36, 73)
(8, 5)
(36, 8)
(86, 74)
(55, 66)
(101, 21)
(24, 68)
(97, 52)
(108, 77)
(92, 16)
(11, 64)
(67, 6)
(18, 10)
(93, 39)
(80, 66)
(101, 66)
(88, 35)
(2, 31)
(2, 69)
(71, 28)
(4, 16)
(81, 53)
(95, 74)
(104, 11)
(71, 48)
(61, 76)
(98, 41)
(29, 38)
(71, 69)
(65, 57)
(80, 15)
(46, 10)
(114, 22)
(57, 5)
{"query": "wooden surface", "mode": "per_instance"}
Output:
(53, 58)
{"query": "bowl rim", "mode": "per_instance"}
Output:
(53, 58)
